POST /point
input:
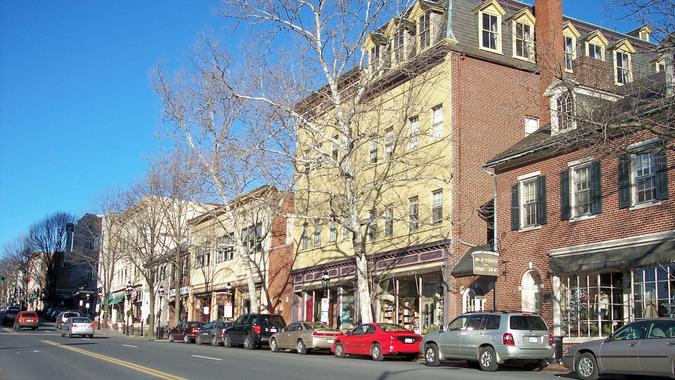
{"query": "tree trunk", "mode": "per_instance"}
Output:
(252, 294)
(362, 288)
(151, 316)
(176, 285)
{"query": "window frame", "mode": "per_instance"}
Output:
(437, 125)
(388, 143)
(374, 146)
(424, 26)
(528, 41)
(587, 165)
(413, 213)
(437, 207)
(332, 238)
(389, 221)
(622, 74)
(316, 236)
(530, 181)
(414, 128)
(601, 51)
(570, 56)
(634, 177)
(497, 33)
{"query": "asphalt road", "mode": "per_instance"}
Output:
(44, 354)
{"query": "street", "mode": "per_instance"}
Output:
(44, 354)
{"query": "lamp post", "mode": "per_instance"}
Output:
(325, 283)
(87, 305)
(160, 292)
(228, 294)
(129, 290)
(99, 305)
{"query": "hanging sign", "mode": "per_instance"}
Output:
(485, 263)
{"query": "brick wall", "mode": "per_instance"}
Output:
(519, 250)
(490, 102)
(281, 262)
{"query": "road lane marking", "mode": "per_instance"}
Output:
(206, 357)
(123, 363)
(128, 345)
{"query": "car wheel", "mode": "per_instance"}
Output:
(274, 346)
(186, 339)
(487, 359)
(170, 338)
(586, 367)
(300, 347)
(226, 341)
(70, 334)
(213, 341)
(248, 342)
(376, 352)
(431, 355)
(339, 351)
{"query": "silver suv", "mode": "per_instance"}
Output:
(491, 339)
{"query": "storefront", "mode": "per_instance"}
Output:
(600, 288)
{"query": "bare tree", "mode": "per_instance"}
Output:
(17, 257)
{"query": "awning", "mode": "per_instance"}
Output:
(613, 256)
(116, 299)
(465, 265)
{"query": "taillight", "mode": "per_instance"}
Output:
(316, 333)
(256, 329)
(222, 333)
(507, 339)
(91, 325)
(194, 330)
(550, 339)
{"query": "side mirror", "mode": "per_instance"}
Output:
(609, 338)
(444, 328)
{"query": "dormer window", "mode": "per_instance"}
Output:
(596, 44)
(660, 65)
(565, 112)
(595, 51)
(424, 30)
(399, 45)
(375, 57)
(570, 36)
(623, 69)
(523, 40)
(490, 31)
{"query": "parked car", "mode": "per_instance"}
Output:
(81, 326)
(212, 333)
(186, 331)
(492, 339)
(304, 337)
(378, 340)
(10, 314)
(26, 319)
(55, 312)
(63, 316)
(253, 330)
(644, 348)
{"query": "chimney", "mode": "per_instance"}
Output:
(549, 49)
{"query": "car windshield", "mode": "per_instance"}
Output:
(316, 326)
(70, 315)
(392, 327)
(80, 320)
(195, 324)
(13, 308)
(527, 322)
(274, 320)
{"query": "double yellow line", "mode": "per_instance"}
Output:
(135, 367)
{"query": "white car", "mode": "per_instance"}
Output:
(81, 326)
(63, 317)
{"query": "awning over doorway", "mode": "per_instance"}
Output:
(116, 299)
(628, 253)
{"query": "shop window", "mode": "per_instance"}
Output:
(529, 292)
(654, 291)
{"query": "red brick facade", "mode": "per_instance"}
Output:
(281, 262)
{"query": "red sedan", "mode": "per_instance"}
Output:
(378, 340)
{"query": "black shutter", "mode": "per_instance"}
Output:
(565, 194)
(661, 163)
(515, 208)
(596, 188)
(542, 218)
(624, 181)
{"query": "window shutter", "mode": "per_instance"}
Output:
(596, 188)
(515, 208)
(565, 195)
(542, 218)
(661, 163)
(624, 181)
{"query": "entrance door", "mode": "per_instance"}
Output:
(530, 291)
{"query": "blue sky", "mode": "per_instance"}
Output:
(78, 114)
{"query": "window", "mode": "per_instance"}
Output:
(474, 322)
(317, 233)
(414, 131)
(580, 190)
(399, 45)
(643, 177)
(523, 40)
(595, 51)
(565, 112)
(372, 225)
(528, 202)
(437, 207)
(305, 237)
(423, 30)
(413, 215)
(653, 291)
(660, 66)
(346, 234)
(490, 26)
(437, 122)
(458, 323)
(389, 221)
(623, 72)
(491, 322)
(373, 150)
(335, 151)
(569, 52)
(333, 231)
(225, 248)
(203, 256)
(252, 237)
(375, 57)
(388, 143)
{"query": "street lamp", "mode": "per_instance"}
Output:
(160, 292)
(100, 307)
(325, 280)
(129, 290)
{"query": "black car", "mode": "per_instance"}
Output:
(253, 330)
(10, 314)
(212, 333)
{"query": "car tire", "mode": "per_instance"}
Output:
(226, 341)
(431, 355)
(213, 341)
(70, 334)
(586, 367)
(170, 338)
(186, 339)
(376, 352)
(300, 347)
(487, 359)
(274, 346)
(248, 343)
(33, 328)
(339, 351)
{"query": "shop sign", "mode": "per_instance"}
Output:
(206, 310)
(325, 304)
(485, 263)
(172, 293)
(227, 310)
(184, 290)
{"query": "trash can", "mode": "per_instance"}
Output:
(557, 349)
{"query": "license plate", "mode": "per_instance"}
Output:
(534, 339)
(409, 340)
(273, 329)
(29, 320)
(330, 341)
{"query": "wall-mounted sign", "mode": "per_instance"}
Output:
(227, 310)
(184, 290)
(325, 305)
(485, 263)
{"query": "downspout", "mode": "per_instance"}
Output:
(494, 228)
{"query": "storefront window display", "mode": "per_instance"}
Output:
(414, 302)
(654, 291)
